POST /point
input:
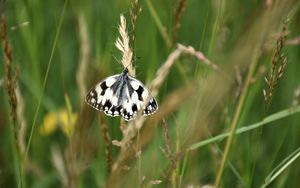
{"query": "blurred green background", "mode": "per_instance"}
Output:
(67, 147)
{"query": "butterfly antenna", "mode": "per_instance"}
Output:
(116, 59)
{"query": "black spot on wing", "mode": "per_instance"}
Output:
(107, 104)
(134, 108)
(103, 87)
(113, 109)
(91, 95)
(153, 104)
(126, 115)
(151, 107)
(140, 91)
(92, 99)
(119, 109)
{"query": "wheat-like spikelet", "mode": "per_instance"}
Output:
(122, 44)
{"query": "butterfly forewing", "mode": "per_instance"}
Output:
(151, 107)
(99, 97)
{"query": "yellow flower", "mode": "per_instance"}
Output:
(60, 119)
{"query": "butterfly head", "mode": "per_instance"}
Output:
(125, 71)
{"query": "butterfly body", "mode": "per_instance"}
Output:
(123, 95)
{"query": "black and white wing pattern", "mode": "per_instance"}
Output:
(142, 95)
(123, 95)
(101, 96)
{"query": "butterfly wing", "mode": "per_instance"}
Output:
(140, 96)
(122, 95)
(101, 97)
(128, 103)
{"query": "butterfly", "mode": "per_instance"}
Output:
(121, 95)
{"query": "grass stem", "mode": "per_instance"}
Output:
(44, 84)
(161, 28)
(236, 116)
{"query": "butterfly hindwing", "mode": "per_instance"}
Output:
(128, 112)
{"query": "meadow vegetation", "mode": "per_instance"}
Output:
(224, 73)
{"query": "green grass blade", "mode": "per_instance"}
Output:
(161, 28)
(44, 84)
(281, 167)
(268, 119)
(183, 169)
(233, 169)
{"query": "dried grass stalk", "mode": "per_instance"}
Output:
(10, 79)
(163, 71)
(170, 154)
(23, 24)
(1, 82)
(178, 12)
(296, 97)
(107, 142)
(135, 12)
(294, 41)
(85, 52)
(59, 164)
(21, 120)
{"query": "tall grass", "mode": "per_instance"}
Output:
(220, 123)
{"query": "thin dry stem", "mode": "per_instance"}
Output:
(107, 142)
(163, 71)
(293, 42)
(21, 120)
(59, 164)
(296, 97)
(269, 3)
(85, 51)
(10, 79)
(167, 139)
(1, 82)
(178, 12)
(199, 55)
(169, 153)
(122, 44)
(135, 12)
(155, 182)
(23, 24)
